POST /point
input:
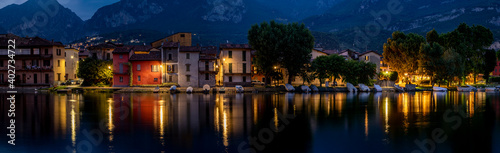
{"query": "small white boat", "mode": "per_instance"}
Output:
(490, 89)
(206, 88)
(239, 88)
(189, 90)
(440, 89)
(464, 89)
(377, 88)
(472, 88)
(173, 89)
(351, 87)
(314, 88)
(398, 88)
(305, 89)
(289, 88)
(363, 88)
(157, 89)
(481, 89)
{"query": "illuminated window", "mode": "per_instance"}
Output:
(154, 68)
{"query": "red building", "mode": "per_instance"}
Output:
(146, 66)
(496, 72)
(121, 73)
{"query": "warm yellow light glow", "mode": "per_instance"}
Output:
(366, 121)
(274, 67)
(276, 119)
(387, 115)
(386, 72)
(224, 59)
(110, 119)
(225, 129)
(109, 67)
(71, 57)
(73, 125)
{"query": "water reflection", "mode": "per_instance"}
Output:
(220, 123)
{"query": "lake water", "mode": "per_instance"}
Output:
(327, 122)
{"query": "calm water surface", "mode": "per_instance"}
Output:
(331, 122)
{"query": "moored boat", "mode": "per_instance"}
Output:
(398, 88)
(189, 90)
(239, 89)
(377, 88)
(363, 88)
(439, 89)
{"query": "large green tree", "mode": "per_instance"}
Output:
(287, 45)
(95, 71)
(489, 64)
(401, 52)
(321, 67)
(432, 62)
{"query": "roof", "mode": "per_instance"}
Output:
(235, 46)
(152, 56)
(170, 44)
(330, 52)
(83, 53)
(371, 51)
(27, 41)
(209, 50)
(208, 57)
(190, 49)
(124, 49)
(142, 48)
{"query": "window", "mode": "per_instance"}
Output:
(188, 67)
(64, 63)
(173, 68)
(206, 66)
(183, 35)
(36, 51)
(35, 78)
(169, 56)
(46, 78)
(66, 76)
(1, 78)
(156, 80)
(58, 76)
(121, 79)
(138, 67)
(188, 78)
(65, 55)
(1, 63)
(154, 68)
(230, 54)
(108, 56)
(230, 67)
(24, 78)
(367, 58)
(244, 55)
(58, 52)
(244, 67)
(58, 63)
(230, 79)
(121, 68)
(121, 56)
(244, 79)
(169, 78)
(46, 51)
(207, 76)
(46, 62)
(24, 64)
(187, 55)
(139, 78)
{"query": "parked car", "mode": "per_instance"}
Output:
(255, 82)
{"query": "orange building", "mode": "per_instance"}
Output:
(183, 38)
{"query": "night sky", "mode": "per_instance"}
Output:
(83, 8)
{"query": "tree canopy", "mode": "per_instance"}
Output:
(95, 72)
(287, 45)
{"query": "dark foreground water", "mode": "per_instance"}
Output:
(274, 123)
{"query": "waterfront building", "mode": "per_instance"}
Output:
(234, 65)
(71, 64)
(208, 66)
(121, 66)
(39, 62)
(146, 66)
(102, 51)
(189, 56)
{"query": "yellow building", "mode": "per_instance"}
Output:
(235, 63)
(183, 38)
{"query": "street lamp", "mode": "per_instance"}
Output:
(109, 67)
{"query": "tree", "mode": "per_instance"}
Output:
(352, 74)
(489, 64)
(337, 67)
(297, 48)
(287, 45)
(454, 65)
(321, 68)
(95, 71)
(432, 62)
(264, 40)
(401, 52)
(367, 72)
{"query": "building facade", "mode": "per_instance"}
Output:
(235, 64)
(189, 56)
(71, 56)
(208, 66)
(146, 68)
(121, 66)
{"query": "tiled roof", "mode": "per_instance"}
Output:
(152, 56)
(209, 50)
(142, 48)
(371, 51)
(170, 44)
(84, 53)
(330, 52)
(208, 57)
(26, 41)
(235, 46)
(124, 49)
(190, 49)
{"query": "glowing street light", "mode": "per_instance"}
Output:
(109, 67)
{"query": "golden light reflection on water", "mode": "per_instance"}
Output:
(386, 108)
(406, 105)
(162, 126)
(111, 126)
(366, 121)
(276, 124)
(225, 129)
